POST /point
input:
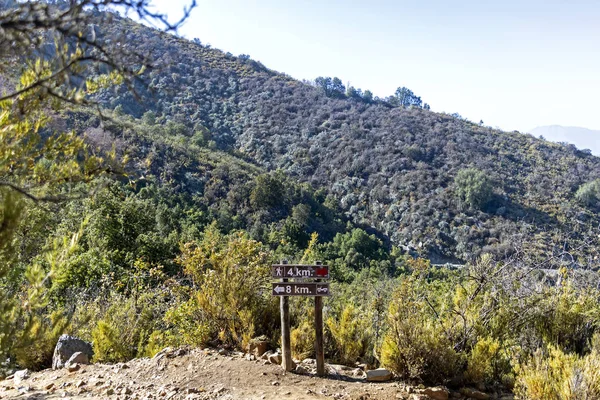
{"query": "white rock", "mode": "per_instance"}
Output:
(379, 375)
(21, 375)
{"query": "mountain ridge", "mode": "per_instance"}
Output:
(388, 167)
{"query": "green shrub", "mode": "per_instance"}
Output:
(229, 298)
(473, 187)
(482, 363)
(124, 330)
(303, 340)
(556, 375)
(415, 345)
(588, 194)
(550, 377)
(350, 333)
(36, 349)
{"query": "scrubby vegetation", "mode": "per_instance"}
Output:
(155, 224)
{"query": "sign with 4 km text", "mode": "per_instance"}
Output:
(300, 271)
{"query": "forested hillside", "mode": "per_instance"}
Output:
(141, 208)
(389, 168)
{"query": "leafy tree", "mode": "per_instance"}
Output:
(473, 187)
(38, 163)
(268, 192)
(407, 98)
(332, 87)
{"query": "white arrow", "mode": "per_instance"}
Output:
(279, 289)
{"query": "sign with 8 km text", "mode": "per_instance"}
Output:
(300, 289)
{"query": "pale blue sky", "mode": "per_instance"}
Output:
(513, 64)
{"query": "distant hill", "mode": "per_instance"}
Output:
(389, 169)
(583, 138)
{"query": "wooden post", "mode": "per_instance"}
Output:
(286, 343)
(319, 333)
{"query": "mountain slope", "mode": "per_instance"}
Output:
(388, 168)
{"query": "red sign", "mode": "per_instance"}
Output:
(300, 271)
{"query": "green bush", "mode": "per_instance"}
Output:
(588, 194)
(303, 340)
(229, 297)
(38, 340)
(473, 187)
(548, 377)
(124, 330)
(415, 345)
(350, 334)
(484, 363)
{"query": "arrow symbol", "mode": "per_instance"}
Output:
(279, 289)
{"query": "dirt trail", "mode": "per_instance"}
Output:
(195, 374)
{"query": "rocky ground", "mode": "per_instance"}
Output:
(212, 374)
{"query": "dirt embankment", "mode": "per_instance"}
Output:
(206, 374)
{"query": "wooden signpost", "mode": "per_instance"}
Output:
(315, 288)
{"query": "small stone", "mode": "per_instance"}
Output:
(49, 386)
(474, 394)
(418, 396)
(162, 353)
(301, 370)
(478, 395)
(79, 384)
(72, 367)
(21, 376)
(436, 393)
(24, 389)
(78, 358)
(275, 359)
(109, 392)
(275, 383)
(379, 375)
(258, 346)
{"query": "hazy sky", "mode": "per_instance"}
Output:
(513, 64)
